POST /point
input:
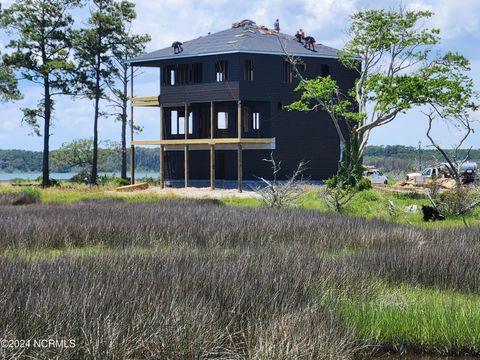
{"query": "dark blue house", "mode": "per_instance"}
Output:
(222, 106)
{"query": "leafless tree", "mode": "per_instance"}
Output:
(464, 124)
(281, 193)
(461, 200)
(337, 197)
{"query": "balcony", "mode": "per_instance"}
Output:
(149, 101)
(219, 143)
(198, 93)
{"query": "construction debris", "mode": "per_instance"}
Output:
(411, 209)
(251, 26)
(421, 182)
(140, 186)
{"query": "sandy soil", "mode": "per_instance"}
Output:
(195, 192)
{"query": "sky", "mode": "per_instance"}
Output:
(327, 20)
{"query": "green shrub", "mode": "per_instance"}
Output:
(20, 198)
(81, 177)
(118, 181)
(52, 182)
(369, 195)
(35, 192)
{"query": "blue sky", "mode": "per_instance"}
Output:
(326, 20)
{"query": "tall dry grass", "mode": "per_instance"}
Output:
(198, 280)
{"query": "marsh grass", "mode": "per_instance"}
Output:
(185, 279)
(413, 319)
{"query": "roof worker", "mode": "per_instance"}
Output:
(309, 43)
(177, 47)
(299, 36)
(276, 25)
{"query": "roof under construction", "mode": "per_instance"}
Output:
(243, 37)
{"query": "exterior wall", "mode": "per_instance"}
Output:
(299, 136)
(209, 89)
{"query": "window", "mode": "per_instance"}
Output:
(287, 72)
(196, 73)
(256, 121)
(174, 122)
(222, 120)
(169, 75)
(247, 119)
(181, 125)
(251, 119)
(190, 123)
(248, 70)
(324, 70)
(182, 74)
(221, 71)
(178, 123)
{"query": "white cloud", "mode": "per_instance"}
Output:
(170, 20)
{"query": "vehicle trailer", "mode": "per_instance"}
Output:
(468, 172)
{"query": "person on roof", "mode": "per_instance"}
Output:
(309, 43)
(177, 47)
(300, 35)
(276, 25)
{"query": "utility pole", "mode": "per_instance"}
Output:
(419, 156)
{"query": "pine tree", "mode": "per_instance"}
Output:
(95, 46)
(128, 45)
(40, 30)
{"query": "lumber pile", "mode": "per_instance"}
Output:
(134, 187)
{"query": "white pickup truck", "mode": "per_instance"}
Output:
(428, 172)
(468, 171)
(376, 176)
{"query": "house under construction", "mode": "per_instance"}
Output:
(222, 106)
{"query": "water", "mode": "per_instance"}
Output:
(65, 176)
(423, 357)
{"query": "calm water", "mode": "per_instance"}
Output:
(420, 357)
(65, 176)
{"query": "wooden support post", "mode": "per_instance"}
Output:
(132, 164)
(239, 119)
(162, 158)
(212, 147)
(239, 150)
(212, 167)
(132, 147)
(239, 168)
(162, 166)
(186, 162)
(212, 117)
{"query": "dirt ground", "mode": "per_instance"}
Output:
(197, 193)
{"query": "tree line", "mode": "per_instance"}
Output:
(83, 59)
(76, 157)
(64, 160)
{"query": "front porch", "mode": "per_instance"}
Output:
(207, 126)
